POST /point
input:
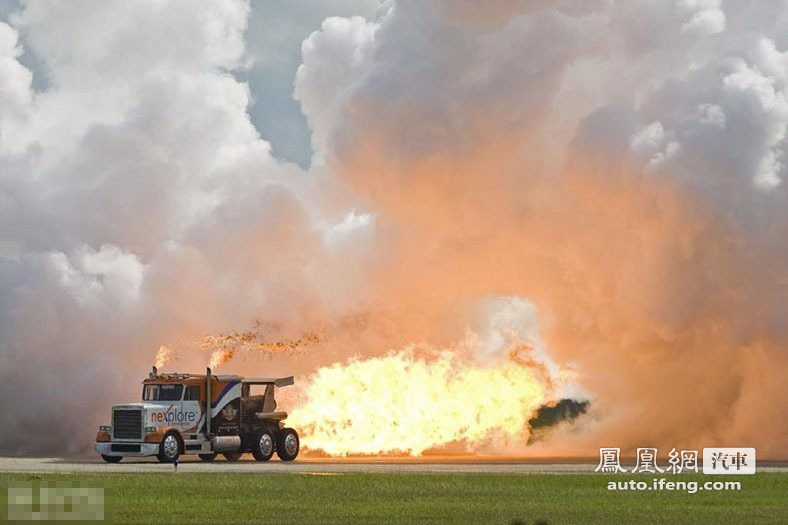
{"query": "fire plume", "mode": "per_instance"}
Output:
(219, 357)
(224, 347)
(164, 355)
(409, 404)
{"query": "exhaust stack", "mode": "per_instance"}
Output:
(207, 401)
(153, 372)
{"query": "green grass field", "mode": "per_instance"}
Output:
(463, 498)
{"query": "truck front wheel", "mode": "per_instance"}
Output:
(287, 444)
(169, 449)
(111, 459)
(263, 446)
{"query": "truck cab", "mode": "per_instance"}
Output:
(199, 414)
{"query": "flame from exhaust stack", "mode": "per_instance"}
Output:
(219, 357)
(408, 404)
(164, 356)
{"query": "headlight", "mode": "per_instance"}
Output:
(105, 428)
(150, 430)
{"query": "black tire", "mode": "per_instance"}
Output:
(287, 444)
(263, 445)
(111, 459)
(207, 457)
(232, 456)
(169, 448)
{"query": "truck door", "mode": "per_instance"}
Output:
(190, 407)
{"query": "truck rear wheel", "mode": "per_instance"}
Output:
(287, 444)
(111, 459)
(263, 446)
(207, 457)
(232, 456)
(170, 448)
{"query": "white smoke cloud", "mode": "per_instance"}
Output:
(15, 79)
(457, 125)
(704, 16)
(333, 58)
(138, 205)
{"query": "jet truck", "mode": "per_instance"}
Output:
(199, 414)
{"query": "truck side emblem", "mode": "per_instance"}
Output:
(229, 412)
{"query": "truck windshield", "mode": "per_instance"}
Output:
(162, 392)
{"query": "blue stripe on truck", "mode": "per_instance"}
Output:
(226, 389)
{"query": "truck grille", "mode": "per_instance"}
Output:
(127, 424)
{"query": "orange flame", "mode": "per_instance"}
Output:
(404, 403)
(224, 347)
(219, 357)
(164, 356)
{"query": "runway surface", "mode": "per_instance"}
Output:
(321, 466)
(300, 466)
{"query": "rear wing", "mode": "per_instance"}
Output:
(276, 381)
(267, 411)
